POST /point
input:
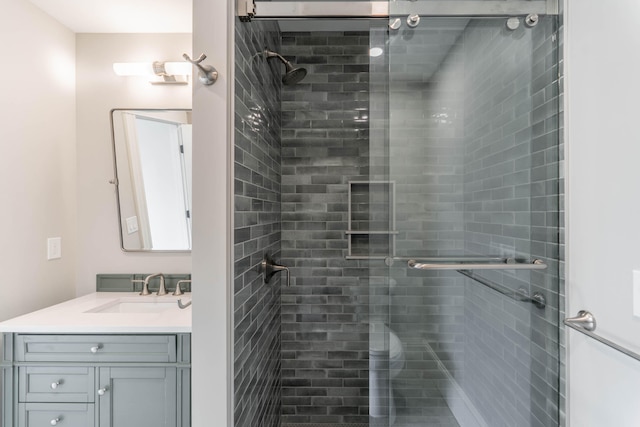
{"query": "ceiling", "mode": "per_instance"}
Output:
(121, 16)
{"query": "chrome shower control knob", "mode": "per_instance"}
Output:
(56, 384)
(55, 421)
(96, 348)
(103, 390)
(395, 23)
(413, 20)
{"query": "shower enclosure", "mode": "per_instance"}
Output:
(410, 182)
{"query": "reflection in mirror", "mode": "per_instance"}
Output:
(152, 159)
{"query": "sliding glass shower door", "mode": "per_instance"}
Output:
(473, 222)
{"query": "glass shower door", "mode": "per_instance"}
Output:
(473, 160)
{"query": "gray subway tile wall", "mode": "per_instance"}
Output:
(257, 164)
(325, 144)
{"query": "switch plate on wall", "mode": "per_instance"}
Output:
(636, 293)
(132, 224)
(54, 248)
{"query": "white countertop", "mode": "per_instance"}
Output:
(75, 316)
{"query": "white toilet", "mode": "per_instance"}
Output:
(386, 360)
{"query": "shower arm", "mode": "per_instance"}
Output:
(271, 54)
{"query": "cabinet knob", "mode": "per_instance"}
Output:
(55, 421)
(103, 390)
(95, 348)
(56, 384)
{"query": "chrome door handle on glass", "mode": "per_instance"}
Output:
(584, 320)
(585, 323)
(268, 267)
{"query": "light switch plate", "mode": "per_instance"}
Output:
(54, 248)
(132, 224)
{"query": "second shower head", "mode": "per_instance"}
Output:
(292, 74)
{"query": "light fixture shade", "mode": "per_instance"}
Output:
(178, 68)
(133, 68)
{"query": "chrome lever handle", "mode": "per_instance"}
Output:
(178, 291)
(207, 75)
(584, 320)
(268, 268)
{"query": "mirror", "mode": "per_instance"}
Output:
(152, 161)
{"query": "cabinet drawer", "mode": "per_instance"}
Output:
(61, 414)
(95, 348)
(56, 384)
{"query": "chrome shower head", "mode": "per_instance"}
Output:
(292, 74)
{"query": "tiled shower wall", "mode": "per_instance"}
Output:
(257, 344)
(325, 144)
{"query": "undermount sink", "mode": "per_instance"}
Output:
(139, 306)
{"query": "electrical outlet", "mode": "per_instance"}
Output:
(54, 248)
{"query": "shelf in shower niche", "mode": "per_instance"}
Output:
(371, 230)
(365, 257)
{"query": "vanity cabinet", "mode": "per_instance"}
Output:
(71, 380)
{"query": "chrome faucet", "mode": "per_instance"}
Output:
(145, 285)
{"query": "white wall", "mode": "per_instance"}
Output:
(37, 164)
(212, 221)
(603, 206)
(100, 90)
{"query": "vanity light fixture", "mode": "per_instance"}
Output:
(157, 72)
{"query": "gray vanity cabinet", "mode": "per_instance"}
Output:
(115, 380)
(137, 397)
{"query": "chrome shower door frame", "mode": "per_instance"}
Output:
(251, 9)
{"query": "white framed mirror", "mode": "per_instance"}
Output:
(152, 152)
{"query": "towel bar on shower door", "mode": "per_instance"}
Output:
(508, 264)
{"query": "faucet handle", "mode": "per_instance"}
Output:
(145, 286)
(178, 291)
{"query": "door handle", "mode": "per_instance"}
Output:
(584, 320)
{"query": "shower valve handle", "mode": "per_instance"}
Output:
(207, 74)
(269, 268)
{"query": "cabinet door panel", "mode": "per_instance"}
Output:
(138, 397)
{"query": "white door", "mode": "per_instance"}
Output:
(603, 208)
